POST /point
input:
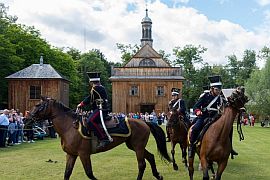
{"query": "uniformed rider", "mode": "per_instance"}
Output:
(176, 103)
(206, 107)
(98, 95)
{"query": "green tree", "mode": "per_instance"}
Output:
(240, 70)
(93, 61)
(21, 46)
(127, 51)
(187, 57)
(258, 90)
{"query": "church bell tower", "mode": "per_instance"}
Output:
(146, 30)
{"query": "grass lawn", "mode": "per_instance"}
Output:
(28, 161)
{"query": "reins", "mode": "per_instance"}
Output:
(239, 128)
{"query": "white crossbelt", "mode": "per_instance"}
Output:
(212, 102)
(178, 101)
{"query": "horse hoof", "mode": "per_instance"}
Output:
(160, 178)
(175, 167)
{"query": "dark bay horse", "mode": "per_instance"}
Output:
(215, 145)
(178, 135)
(75, 145)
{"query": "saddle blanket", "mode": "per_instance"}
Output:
(122, 129)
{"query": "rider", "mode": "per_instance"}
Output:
(207, 107)
(97, 95)
(176, 103)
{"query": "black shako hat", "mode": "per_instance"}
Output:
(175, 91)
(93, 76)
(215, 81)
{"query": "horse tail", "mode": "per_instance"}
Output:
(160, 138)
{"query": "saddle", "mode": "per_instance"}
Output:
(110, 122)
(114, 126)
(207, 123)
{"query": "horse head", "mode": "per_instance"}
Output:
(238, 98)
(42, 110)
(175, 116)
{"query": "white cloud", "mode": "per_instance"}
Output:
(107, 22)
(263, 2)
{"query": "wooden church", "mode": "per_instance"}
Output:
(26, 86)
(144, 84)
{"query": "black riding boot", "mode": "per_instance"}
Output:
(191, 150)
(233, 152)
(168, 134)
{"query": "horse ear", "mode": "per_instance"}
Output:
(43, 98)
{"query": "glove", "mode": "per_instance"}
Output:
(80, 105)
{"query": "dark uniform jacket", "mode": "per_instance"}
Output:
(174, 105)
(205, 100)
(97, 92)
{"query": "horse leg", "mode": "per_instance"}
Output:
(175, 167)
(190, 167)
(184, 154)
(70, 161)
(141, 163)
(140, 159)
(210, 166)
(204, 165)
(86, 161)
(221, 167)
(151, 159)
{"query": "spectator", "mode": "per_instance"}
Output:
(159, 118)
(29, 129)
(52, 132)
(11, 130)
(20, 128)
(4, 123)
(252, 120)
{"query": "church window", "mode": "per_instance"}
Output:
(147, 63)
(134, 90)
(160, 91)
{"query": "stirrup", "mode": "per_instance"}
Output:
(103, 143)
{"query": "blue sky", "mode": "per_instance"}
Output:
(224, 27)
(248, 13)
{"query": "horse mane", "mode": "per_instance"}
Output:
(63, 107)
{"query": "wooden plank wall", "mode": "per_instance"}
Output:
(19, 92)
(164, 71)
(123, 102)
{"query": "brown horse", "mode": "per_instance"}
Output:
(216, 145)
(178, 134)
(75, 145)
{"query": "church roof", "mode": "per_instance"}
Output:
(146, 18)
(146, 52)
(37, 71)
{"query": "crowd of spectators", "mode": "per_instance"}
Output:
(14, 129)
(152, 117)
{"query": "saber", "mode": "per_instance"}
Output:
(102, 121)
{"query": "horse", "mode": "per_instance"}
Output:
(75, 145)
(216, 145)
(178, 135)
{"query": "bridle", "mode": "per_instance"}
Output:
(242, 99)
